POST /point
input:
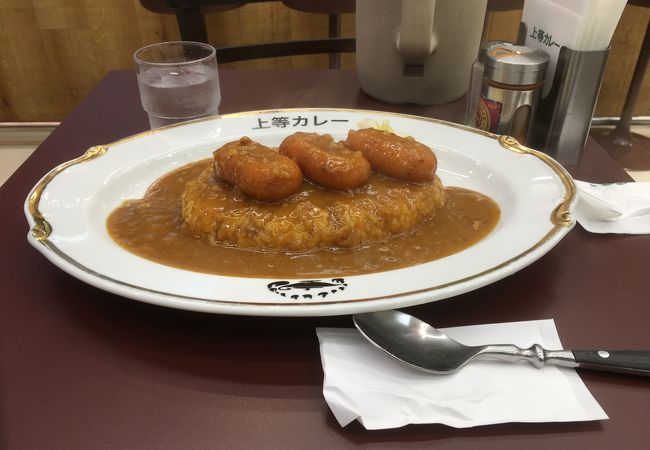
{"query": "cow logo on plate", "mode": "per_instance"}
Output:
(307, 289)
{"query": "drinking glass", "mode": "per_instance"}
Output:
(178, 81)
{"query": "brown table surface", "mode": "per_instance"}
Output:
(81, 368)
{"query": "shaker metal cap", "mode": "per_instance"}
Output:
(515, 64)
(487, 45)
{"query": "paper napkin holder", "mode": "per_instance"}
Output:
(563, 117)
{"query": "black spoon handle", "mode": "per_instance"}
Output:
(626, 361)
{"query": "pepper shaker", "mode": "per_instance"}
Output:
(476, 79)
(512, 84)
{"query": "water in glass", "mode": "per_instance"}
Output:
(172, 94)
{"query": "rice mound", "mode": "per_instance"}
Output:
(373, 212)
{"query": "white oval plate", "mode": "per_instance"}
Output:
(68, 208)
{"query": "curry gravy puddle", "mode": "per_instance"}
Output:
(152, 228)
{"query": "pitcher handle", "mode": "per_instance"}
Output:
(415, 39)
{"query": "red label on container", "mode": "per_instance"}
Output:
(488, 114)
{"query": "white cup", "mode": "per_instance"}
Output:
(417, 51)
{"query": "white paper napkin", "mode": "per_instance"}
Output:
(575, 24)
(614, 208)
(363, 383)
(549, 26)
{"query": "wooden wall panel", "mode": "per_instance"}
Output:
(52, 52)
(623, 56)
(266, 22)
(502, 26)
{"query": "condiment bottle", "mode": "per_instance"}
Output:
(476, 79)
(512, 84)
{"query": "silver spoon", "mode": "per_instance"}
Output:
(421, 346)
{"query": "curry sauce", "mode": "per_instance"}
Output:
(153, 228)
